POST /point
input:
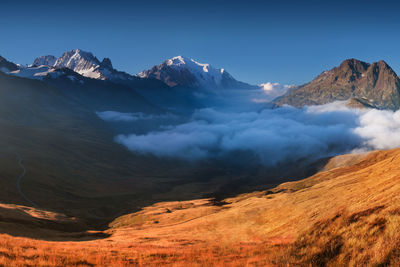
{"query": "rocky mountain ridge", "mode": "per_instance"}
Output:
(375, 84)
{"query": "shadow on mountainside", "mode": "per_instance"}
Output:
(72, 217)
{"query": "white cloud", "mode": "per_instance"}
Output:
(380, 129)
(274, 135)
(269, 87)
(275, 88)
(271, 91)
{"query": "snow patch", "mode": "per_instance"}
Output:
(33, 72)
(206, 74)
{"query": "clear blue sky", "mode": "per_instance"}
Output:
(256, 41)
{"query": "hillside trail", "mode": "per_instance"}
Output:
(19, 180)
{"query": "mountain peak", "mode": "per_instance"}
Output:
(383, 64)
(181, 61)
(78, 54)
(353, 61)
(81, 62)
(7, 66)
(376, 83)
(48, 60)
(178, 60)
(186, 72)
(80, 51)
(353, 65)
(106, 63)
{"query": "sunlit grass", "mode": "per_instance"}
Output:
(343, 216)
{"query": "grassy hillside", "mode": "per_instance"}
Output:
(345, 215)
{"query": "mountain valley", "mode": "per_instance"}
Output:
(74, 195)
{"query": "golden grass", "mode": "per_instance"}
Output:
(368, 238)
(349, 215)
(27, 252)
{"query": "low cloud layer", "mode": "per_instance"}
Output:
(274, 135)
(234, 99)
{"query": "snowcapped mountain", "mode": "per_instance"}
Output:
(36, 71)
(180, 72)
(45, 61)
(84, 63)
(81, 62)
(185, 72)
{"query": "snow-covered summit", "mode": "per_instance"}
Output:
(186, 72)
(205, 73)
(48, 60)
(181, 61)
(84, 63)
(81, 62)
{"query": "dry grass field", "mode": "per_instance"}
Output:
(348, 214)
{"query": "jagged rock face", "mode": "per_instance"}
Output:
(7, 66)
(106, 63)
(81, 62)
(84, 63)
(374, 84)
(45, 61)
(185, 72)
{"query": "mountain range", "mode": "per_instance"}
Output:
(177, 71)
(178, 84)
(81, 62)
(181, 83)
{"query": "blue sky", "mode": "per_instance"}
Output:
(256, 41)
